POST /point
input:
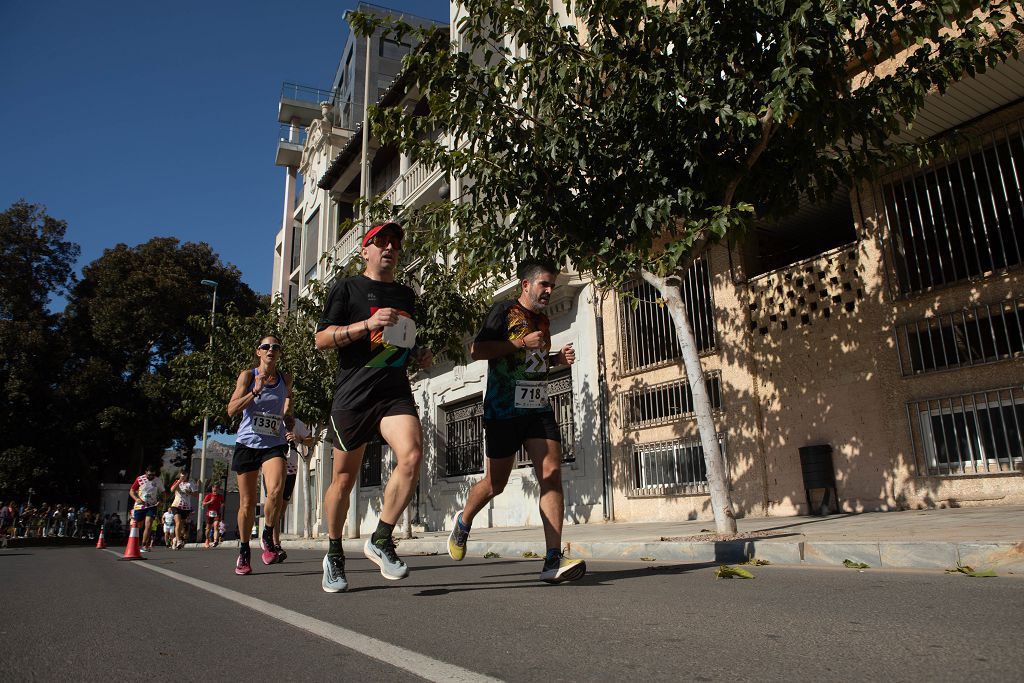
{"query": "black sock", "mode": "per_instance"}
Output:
(552, 554)
(244, 549)
(268, 532)
(382, 533)
(334, 546)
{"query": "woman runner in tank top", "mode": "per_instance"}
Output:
(263, 396)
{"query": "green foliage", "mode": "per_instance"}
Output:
(35, 264)
(135, 309)
(35, 260)
(850, 564)
(205, 378)
(628, 138)
(970, 571)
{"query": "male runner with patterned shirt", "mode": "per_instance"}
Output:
(368, 319)
(514, 341)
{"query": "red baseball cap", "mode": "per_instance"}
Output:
(377, 228)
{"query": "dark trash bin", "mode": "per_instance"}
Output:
(818, 473)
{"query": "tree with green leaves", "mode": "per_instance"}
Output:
(628, 135)
(205, 378)
(36, 264)
(134, 310)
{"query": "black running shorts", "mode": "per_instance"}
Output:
(350, 429)
(248, 459)
(506, 437)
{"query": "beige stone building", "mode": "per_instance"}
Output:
(887, 327)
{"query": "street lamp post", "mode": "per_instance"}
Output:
(206, 424)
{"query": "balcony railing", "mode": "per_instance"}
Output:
(409, 183)
(305, 93)
(295, 135)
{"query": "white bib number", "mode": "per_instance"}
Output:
(402, 333)
(531, 394)
(266, 424)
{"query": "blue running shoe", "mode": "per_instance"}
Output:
(334, 574)
(382, 553)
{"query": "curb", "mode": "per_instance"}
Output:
(1005, 555)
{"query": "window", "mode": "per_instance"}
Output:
(464, 437)
(973, 336)
(373, 461)
(960, 219)
(647, 335)
(312, 250)
(670, 467)
(812, 230)
(392, 49)
(296, 254)
(667, 402)
(969, 433)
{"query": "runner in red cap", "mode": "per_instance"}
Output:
(368, 318)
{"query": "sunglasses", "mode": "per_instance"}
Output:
(382, 241)
(269, 347)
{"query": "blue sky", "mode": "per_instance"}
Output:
(132, 120)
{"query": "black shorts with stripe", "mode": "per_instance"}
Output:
(350, 429)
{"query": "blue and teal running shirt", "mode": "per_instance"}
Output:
(520, 375)
(369, 370)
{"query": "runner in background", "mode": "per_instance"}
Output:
(298, 436)
(213, 503)
(147, 491)
(183, 489)
(168, 528)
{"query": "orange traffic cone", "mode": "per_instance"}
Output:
(101, 542)
(131, 551)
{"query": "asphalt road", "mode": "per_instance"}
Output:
(80, 613)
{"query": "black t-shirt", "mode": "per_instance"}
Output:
(369, 370)
(510, 375)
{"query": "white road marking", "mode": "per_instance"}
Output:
(395, 655)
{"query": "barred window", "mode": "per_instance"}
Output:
(373, 462)
(647, 335)
(464, 437)
(670, 467)
(973, 336)
(969, 433)
(961, 218)
(668, 401)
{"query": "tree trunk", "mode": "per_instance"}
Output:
(717, 473)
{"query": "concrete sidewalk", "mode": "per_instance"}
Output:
(982, 538)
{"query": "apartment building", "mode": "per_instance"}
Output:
(868, 348)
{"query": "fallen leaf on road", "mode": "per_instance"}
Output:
(647, 559)
(727, 572)
(489, 554)
(756, 562)
(529, 554)
(855, 565)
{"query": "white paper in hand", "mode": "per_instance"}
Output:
(402, 333)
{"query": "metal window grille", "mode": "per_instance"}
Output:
(671, 467)
(961, 218)
(373, 464)
(973, 336)
(647, 335)
(560, 396)
(464, 437)
(972, 433)
(667, 402)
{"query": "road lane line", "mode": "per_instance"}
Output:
(395, 655)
